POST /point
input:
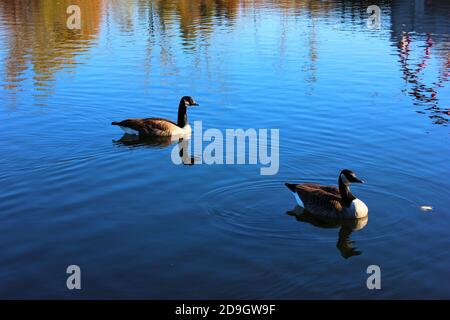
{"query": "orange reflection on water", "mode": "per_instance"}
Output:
(37, 37)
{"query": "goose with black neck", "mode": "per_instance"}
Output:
(329, 201)
(151, 127)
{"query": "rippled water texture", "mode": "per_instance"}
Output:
(343, 96)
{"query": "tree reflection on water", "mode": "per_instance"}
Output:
(38, 45)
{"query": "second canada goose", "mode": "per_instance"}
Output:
(149, 127)
(331, 201)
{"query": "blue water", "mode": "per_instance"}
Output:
(342, 95)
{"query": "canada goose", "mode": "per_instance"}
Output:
(160, 127)
(331, 201)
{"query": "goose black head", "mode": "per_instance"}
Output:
(348, 176)
(188, 101)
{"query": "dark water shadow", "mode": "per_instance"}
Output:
(133, 141)
(347, 227)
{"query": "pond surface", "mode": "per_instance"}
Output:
(343, 95)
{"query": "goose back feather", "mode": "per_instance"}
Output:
(150, 126)
(325, 200)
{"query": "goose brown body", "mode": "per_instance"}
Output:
(329, 201)
(150, 126)
(159, 127)
(322, 200)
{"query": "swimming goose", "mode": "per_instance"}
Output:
(330, 201)
(160, 127)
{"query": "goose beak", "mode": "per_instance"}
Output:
(195, 104)
(358, 180)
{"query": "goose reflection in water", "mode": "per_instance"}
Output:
(133, 141)
(347, 227)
